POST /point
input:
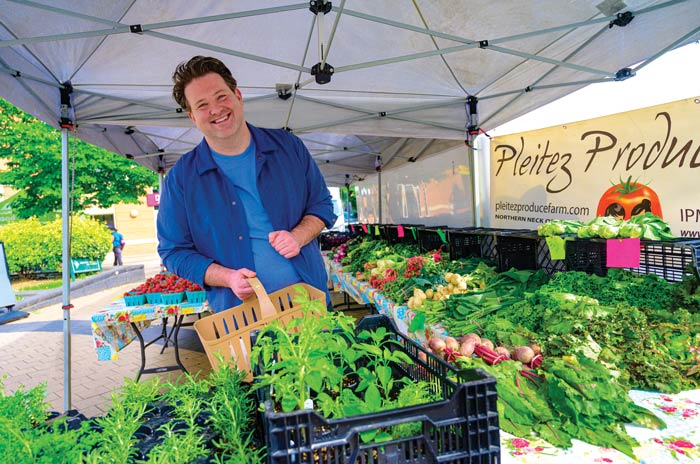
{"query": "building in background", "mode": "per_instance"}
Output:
(137, 222)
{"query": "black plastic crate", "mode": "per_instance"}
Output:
(390, 233)
(461, 428)
(545, 261)
(429, 239)
(473, 242)
(668, 259)
(355, 230)
(587, 255)
(518, 251)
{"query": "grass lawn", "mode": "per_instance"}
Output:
(27, 285)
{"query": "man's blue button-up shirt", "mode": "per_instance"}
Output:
(201, 218)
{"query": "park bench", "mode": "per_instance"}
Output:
(82, 265)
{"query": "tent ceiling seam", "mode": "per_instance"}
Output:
(437, 47)
(164, 137)
(303, 62)
(583, 45)
(334, 123)
(99, 44)
(33, 55)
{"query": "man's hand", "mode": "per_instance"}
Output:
(285, 243)
(238, 282)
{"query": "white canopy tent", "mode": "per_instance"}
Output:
(360, 81)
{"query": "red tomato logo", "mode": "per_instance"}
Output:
(627, 199)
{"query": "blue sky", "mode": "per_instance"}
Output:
(673, 76)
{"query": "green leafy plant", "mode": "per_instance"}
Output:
(302, 356)
(309, 362)
(24, 435)
(232, 416)
(31, 245)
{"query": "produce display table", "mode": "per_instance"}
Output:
(361, 291)
(117, 325)
(678, 443)
(347, 285)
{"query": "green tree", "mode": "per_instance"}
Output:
(33, 151)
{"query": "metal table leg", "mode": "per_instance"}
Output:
(143, 345)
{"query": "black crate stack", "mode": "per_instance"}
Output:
(433, 238)
(587, 255)
(517, 250)
(668, 259)
(473, 242)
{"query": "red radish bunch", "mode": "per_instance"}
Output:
(379, 282)
(341, 253)
(413, 266)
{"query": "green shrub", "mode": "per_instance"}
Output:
(32, 246)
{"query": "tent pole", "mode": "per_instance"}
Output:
(471, 155)
(65, 213)
(379, 184)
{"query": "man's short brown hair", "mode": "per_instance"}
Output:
(196, 67)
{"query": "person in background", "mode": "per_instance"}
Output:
(246, 202)
(117, 246)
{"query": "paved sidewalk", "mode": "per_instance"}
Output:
(31, 352)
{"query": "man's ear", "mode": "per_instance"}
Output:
(238, 94)
(189, 115)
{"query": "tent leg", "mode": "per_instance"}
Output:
(471, 156)
(379, 188)
(65, 213)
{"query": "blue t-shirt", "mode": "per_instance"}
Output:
(274, 270)
(116, 239)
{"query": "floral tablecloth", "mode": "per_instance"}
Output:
(112, 330)
(678, 443)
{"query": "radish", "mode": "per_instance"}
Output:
(487, 343)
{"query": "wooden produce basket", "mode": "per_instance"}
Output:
(227, 333)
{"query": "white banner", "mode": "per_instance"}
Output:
(619, 165)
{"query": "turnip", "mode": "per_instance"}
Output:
(536, 348)
(524, 354)
(470, 336)
(437, 345)
(503, 351)
(487, 343)
(451, 343)
(467, 347)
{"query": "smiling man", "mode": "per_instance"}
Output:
(245, 202)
